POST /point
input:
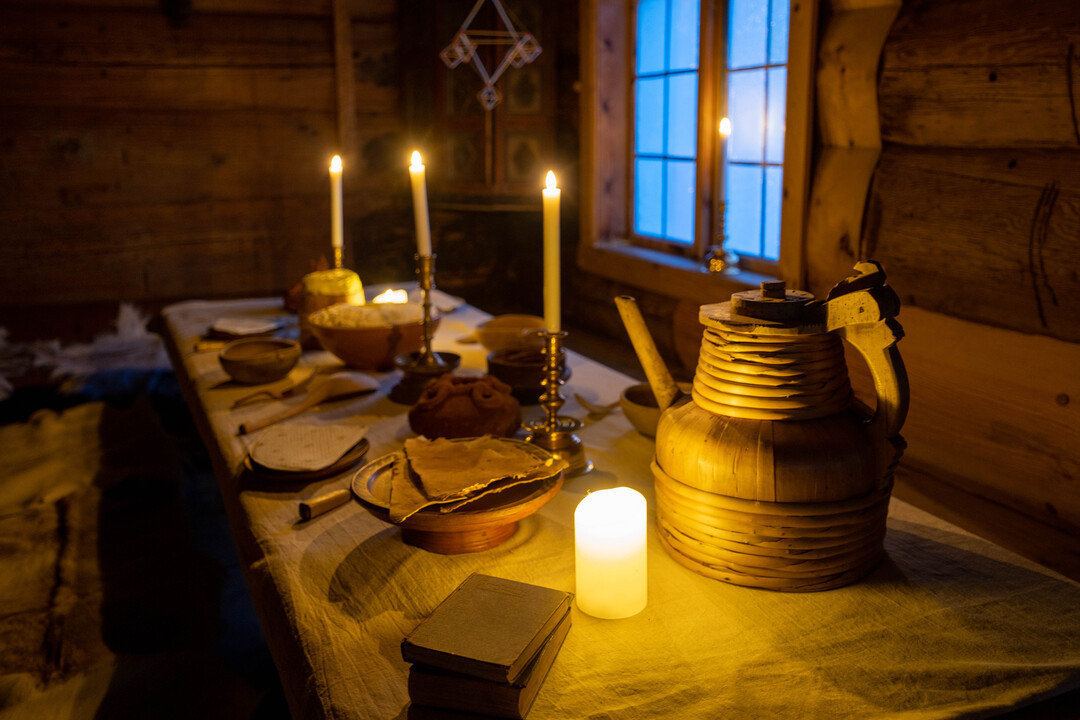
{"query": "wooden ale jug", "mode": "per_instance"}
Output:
(770, 474)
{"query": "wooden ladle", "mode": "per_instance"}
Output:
(335, 387)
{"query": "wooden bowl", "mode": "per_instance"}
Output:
(523, 370)
(640, 407)
(481, 525)
(511, 332)
(369, 348)
(258, 360)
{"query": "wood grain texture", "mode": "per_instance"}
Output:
(976, 73)
(993, 412)
(984, 235)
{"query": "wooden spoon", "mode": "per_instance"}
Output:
(335, 387)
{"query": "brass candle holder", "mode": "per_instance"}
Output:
(422, 368)
(553, 432)
(337, 257)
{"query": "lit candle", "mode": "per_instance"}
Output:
(420, 210)
(609, 541)
(725, 127)
(552, 311)
(336, 224)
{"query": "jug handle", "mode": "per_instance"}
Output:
(862, 310)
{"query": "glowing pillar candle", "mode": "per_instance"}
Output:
(336, 223)
(552, 309)
(420, 209)
(609, 539)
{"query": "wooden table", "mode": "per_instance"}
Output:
(949, 625)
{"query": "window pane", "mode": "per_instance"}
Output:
(774, 193)
(778, 31)
(685, 16)
(651, 33)
(680, 201)
(743, 191)
(774, 125)
(648, 197)
(682, 115)
(649, 116)
(748, 33)
(746, 108)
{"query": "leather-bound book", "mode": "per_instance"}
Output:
(429, 686)
(489, 628)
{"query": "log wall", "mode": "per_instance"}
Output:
(154, 155)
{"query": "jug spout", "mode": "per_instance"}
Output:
(659, 377)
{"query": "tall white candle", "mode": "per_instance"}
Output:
(552, 308)
(336, 223)
(610, 564)
(420, 208)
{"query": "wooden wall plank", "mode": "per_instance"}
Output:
(954, 74)
(995, 412)
(984, 235)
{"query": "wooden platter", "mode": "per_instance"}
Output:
(480, 525)
(346, 462)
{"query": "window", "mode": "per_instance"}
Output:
(661, 184)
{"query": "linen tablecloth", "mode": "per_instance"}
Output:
(947, 626)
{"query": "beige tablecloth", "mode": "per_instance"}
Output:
(948, 626)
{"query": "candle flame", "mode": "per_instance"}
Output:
(417, 161)
(392, 296)
(335, 164)
(551, 181)
(725, 127)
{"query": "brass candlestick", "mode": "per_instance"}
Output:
(337, 257)
(422, 368)
(553, 432)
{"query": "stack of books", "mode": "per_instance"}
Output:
(486, 648)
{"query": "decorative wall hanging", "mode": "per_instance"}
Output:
(522, 48)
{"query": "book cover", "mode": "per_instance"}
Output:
(434, 687)
(488, 627)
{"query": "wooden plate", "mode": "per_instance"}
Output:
(480, 525)
(345, 462)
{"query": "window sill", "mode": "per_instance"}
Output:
(661, 273)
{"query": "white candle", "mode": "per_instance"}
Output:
(336, 223)
(609, 541)
(420, 209)
(552, 310)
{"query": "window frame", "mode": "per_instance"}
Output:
(608, 245)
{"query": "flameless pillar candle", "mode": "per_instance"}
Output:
(609, 541)
(420, 209)
(336, 224)
(552, 309)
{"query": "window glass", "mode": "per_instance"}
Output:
(649, 116)
(779, 20)
(651, 36)
(748, 33)
(682, 115)
(680, 201)
(648, 192)
(746, 108)
(683, 40)
(743, 224)
(774, 121)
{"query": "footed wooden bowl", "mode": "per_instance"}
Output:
(483, 524)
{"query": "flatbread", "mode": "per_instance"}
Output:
(295, 447)
(452, 469)
(453, 473)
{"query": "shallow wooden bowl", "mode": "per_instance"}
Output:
(511, 332)
(258, 360)
(640, 407)
(370, 348)
(481, 525)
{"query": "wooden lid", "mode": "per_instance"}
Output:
(770, 309)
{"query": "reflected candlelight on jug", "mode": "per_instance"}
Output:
(610, 560)
(420, 206)
(392, 296)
